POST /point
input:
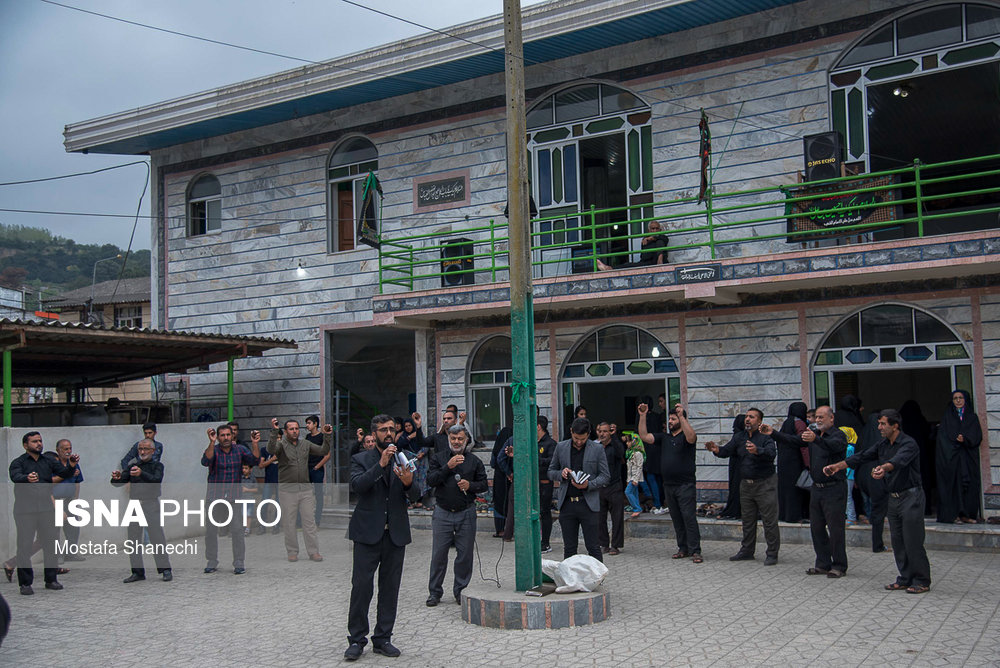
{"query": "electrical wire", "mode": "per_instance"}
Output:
(69, 176)
(138, 209)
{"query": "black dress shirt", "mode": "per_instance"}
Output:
(752, 467)
(828, 448)
(904, 455)
(36, 497)
(615, 451)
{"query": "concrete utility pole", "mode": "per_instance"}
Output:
(527, 535)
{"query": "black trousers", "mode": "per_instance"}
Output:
(613, 503)
(151, 509)
(545, 510)
(500, 489)
(880, 507)
(681, 501)
(576, 515)
(387, 559)
(827, 520)
(906, 527)
(28, 524)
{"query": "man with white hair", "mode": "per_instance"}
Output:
(144, 476)
(456, 476)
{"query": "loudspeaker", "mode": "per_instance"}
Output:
(824, 154)
(457, 270)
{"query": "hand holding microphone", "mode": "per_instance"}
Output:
(462, 483)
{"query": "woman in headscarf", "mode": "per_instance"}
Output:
(849, 414)
(915, 425)
(793, 503)
(733, 510)
(958, 478)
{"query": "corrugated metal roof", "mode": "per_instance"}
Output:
(551, 31)
(130, 291)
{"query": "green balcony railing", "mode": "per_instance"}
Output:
(915, 201)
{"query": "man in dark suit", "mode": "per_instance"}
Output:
(579, 504)
(380, 530)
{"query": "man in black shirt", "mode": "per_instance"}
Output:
(456, 480)
(827, 496)
(144, 477)
(758, 486)
(440, 439)
(546, 446)
(612, 496)
(677, 465)
(32, 474)
(898, 458)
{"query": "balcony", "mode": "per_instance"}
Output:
(919, 222)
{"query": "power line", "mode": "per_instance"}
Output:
(138, 210)
(69, 176)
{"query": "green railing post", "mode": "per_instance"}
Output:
(411, 267)
(8, 409)
(380, 269)
(920, 203)
(708, 212)
(593, 237)
(493, 253)
(229, 389)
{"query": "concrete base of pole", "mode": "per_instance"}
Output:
(502, 609)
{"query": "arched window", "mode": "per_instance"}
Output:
(204, 205)
(888, 353)
(921, 85)
(489, 386)
(590, 145)
(611, 369)
(349, 165)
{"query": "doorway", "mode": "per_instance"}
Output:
(615, 401)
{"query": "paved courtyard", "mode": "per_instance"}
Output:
(664, 613)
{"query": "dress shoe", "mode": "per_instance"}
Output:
(26, 590)
(613, 551)
(239, 571)
(54, 586)
(316, 557)
(458, 599)
(134, 578)
(432, 601)
(353, 652)
(770, 561)
(167, 575)
(741, 556)
(386, 649)
(210, 569)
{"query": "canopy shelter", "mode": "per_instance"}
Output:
(71, 355)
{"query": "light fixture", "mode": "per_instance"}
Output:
(300, 271)
(902, 90)
(656, 351)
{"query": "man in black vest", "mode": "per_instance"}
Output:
(456, 480)
(380, 530)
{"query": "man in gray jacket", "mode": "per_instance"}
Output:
(579, 503)
(295, 494)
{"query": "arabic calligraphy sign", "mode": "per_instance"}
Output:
(441, 191)
(829, 208)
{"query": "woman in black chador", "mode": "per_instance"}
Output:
(958, 478)
(733, 510)
(849, 414)
(792, 501)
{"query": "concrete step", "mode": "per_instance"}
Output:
(953, 537)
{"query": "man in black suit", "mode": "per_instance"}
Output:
(579, 504)
(380, 530)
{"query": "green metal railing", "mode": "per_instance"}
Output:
(914, 201)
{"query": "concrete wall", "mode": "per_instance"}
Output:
(101, 450)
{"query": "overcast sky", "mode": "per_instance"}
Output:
(60, 66)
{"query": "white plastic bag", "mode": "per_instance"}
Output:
(581, 572)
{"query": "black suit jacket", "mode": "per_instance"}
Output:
(382, 500)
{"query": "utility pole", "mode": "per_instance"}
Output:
(527, 535)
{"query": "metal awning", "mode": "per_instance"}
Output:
(71, 355)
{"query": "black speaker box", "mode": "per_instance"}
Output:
(457, 269)
(824, 154)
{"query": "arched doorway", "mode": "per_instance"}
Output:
(922, 85)
(590, 146)
(489, 376)
(890, 354)
(611, 369)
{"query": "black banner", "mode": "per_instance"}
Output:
(368, 214)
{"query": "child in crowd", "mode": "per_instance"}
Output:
(635, 455)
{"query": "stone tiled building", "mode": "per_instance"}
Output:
(767, 293)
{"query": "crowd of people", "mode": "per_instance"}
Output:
(805, 469)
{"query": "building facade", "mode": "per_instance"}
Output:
(766, 292)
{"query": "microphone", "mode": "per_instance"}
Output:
(458, 478)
